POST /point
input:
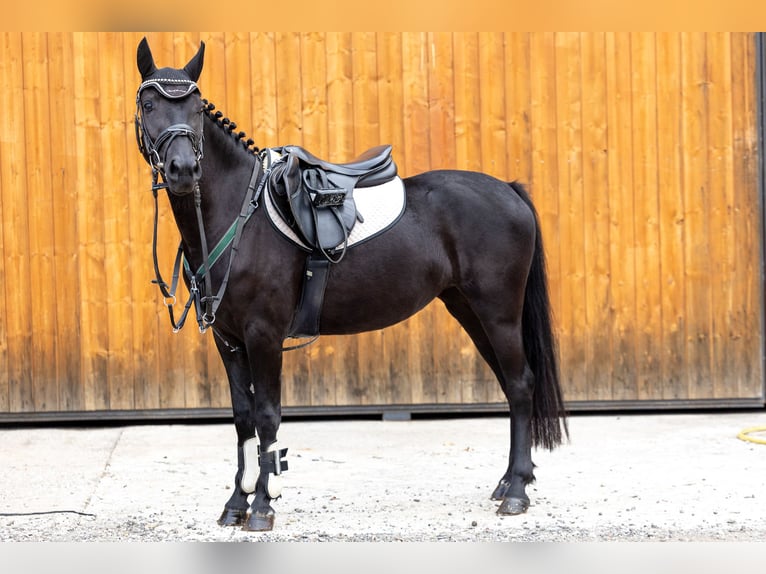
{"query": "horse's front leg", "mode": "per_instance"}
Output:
(265, 356)
(243, 406)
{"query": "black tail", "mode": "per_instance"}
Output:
(549, 423)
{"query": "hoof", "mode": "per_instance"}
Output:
(259, 522)
(501, 490)
(232, 517)
(513, 506)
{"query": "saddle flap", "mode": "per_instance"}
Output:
(322, 223)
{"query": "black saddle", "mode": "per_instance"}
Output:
(316, 197)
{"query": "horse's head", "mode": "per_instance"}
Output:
(169, 119)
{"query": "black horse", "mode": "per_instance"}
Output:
(470, 239)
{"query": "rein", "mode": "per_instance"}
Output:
(206, 317)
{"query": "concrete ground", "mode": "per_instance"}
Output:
(621, 477)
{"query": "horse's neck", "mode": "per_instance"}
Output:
(226, 175)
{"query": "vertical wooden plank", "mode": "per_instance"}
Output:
(747, 315)
(4, 379)
(544, 186)
(296, 375)
(213, 82)
(724, 369)
(518, 95)
(492, 104)
(195, 358)
(314, 120)
(597, 344)
(13, 186)
(366, 119)
(4, 375)
(206, 383)
(695, 109)
(221, 93)
(215, 87)
(239, 88)
(339, 359)
(415, 94)
(672, 227)
(390, 103)
(417, 159)
(116, 225)
(364, 84)
(569, 117)
(145, 306)
(441, 100)
(296, 389)
(65, 245)
(467, 101)
(445, 340)
(646, 214)
(340, 96)
(171, 346)
(264, 88)
(288, 66)
(390, 96)
(621, 231)
(314, 92)
(467, 138)
(90, 222)
(37, 121)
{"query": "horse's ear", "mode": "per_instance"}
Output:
(145, 59)
(194, 67)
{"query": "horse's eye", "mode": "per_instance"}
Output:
(148, 106)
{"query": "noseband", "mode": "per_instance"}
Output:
(172, 89)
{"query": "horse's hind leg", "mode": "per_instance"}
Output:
(498, 338)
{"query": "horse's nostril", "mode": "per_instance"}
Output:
(177, 168)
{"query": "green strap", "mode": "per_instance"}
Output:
(219, 248)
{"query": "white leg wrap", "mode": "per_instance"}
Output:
(250, 473)
(274, 481)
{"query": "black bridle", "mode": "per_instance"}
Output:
(172, 89)
(152, 149)
(205, 306)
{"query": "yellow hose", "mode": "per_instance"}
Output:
(744, 435)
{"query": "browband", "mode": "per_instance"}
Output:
(170, 87)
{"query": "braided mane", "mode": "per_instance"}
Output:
(229, 126)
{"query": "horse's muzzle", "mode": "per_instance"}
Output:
(182, 174)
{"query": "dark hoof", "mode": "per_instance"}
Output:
(259, 522)
(513, 506)
(501, 490)
(232, 517)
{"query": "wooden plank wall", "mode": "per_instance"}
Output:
(640, 150)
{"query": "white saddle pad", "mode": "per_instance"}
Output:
(380, 206)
